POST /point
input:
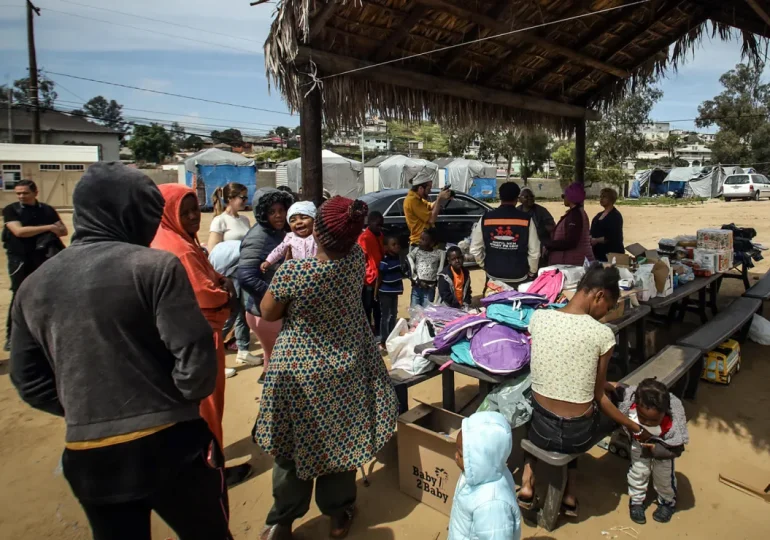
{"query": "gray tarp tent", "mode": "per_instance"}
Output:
(213, 168)
(397, 172)
(341, 176)
(705, 182)
(460, 173)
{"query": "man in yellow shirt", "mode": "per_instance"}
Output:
(419, 212)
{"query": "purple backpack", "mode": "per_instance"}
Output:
(463, 328)
(509, 297)
(500, 349)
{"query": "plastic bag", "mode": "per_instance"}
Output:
(416, 315)
(760, 330)
(512, 400)
(401, 343)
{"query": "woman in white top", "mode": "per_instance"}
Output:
(571, 350)
(228, 225)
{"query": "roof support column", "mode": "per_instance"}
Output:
(311, 144)
(580, 151)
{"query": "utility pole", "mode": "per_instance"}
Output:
(33, 91)
(10, 113)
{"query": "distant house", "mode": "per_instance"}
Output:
(60, 128)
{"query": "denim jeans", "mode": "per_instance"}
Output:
(237, 321)
(422, 296)
(565, 435)
(388, 314)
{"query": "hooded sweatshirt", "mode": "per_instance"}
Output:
(258, 243)
(108, 333)
(485, 506)
(171, 236)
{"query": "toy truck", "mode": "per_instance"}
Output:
(720, 364)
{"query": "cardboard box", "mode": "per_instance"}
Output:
(716, 239)
(427, 438)
(621, 259)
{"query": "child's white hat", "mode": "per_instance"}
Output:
(305, 208)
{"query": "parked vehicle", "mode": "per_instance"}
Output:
(746, 186)
(454, 223)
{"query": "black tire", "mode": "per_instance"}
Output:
(728, 199)
(738, 367)
(729, 378)
(613, 448)
(756, 195)
(622, 452)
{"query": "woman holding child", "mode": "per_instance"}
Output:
(571, 350)
(328, 406)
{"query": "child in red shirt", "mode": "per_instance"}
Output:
(371, 242)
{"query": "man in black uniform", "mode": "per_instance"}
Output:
(505, 241)
(30, 237)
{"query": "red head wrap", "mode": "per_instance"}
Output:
(339, 222)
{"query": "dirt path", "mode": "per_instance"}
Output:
(726, 424)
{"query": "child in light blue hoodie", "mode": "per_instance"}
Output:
(484, 506)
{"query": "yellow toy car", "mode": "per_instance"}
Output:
(720, 364)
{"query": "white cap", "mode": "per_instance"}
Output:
(420, 180)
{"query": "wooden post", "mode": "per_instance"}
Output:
(580, 152)
(33, 89)
(311, 145)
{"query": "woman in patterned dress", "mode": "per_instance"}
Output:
(328, 406)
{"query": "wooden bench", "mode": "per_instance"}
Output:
(402, 381)
(760, 290)
(669, 366)
(735, 318)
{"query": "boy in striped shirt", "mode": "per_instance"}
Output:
(389, 287)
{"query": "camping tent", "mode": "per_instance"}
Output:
(705, 182)
(341, 176)
(647, 182)
(398, 172)
(461, 173)
(372, 174)
(212, 168)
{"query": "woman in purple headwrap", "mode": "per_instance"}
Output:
(571, 239)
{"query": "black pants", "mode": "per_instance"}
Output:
(371, 308)
(195, 507)
(565, 435)
(388, 314)
(334, 493)
(18, 270)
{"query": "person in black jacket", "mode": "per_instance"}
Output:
(607, 227)
(454, 282)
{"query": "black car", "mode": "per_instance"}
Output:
(455, 220)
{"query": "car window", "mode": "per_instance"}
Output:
(737, 179)
(764, 179)
(396, 208)
(461, 206)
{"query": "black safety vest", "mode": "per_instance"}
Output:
(506, 238)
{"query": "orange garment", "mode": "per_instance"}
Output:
(374, 251)
(459, 283)
(212, 299)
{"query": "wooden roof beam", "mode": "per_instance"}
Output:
(731, 19)
(526, 37)
(759, 10)
(332, 63)
(319, 21)
(400, 32)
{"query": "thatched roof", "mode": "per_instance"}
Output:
(551, 75)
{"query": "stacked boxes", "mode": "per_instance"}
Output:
(715, 250)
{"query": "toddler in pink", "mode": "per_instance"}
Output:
(299, 243)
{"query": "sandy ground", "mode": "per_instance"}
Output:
(726, 424)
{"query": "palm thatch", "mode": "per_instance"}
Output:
(552, 75)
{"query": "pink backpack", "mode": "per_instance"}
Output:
(549, 284)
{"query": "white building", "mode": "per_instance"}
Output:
(695, 154)
(656, 131)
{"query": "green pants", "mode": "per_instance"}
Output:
(334, 493)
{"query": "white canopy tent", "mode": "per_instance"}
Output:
(398, 172)
(341, 176)
(461, 173)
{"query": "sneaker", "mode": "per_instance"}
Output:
(230, 372)
(663, 513)
(245, 357)
(637, 513)
(275, 532)
(261, 379)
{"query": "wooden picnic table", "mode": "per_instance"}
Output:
(633, 317)
(679, 303)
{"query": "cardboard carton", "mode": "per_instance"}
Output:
(621, 259)
(716, 239)
(426, 455)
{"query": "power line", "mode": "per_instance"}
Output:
(167, 93)
(175, 36)
(160, 21)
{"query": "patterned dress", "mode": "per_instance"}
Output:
(327, 403)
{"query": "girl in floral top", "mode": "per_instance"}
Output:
(328, 406)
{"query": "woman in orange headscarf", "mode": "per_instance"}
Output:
(178, 234)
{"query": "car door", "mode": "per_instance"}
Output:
(394, 222)
(458, 216)
(765, 186)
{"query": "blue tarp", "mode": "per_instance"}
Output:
(634, 193)
(214, 176)
(483, 188)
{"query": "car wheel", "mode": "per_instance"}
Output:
(622, 452)
(738, 367)
(728, 199)
(756, 195)
(613, 448)
(729, 378)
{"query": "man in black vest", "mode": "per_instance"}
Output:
(30, 237)
(505, 240)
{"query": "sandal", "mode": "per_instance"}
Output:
(275, 532)
(570, 510)
(341, 525)
(527, 504)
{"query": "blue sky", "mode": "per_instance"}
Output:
(224, 63)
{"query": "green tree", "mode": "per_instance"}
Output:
(109, 113)
(459, 140)
(151, 143)
(178, 135)
(671, 143)
(193, 142)
(729, 148)
(532, 152)
(618, 136)
(229, 136)
(283, 132)
(46, 92)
